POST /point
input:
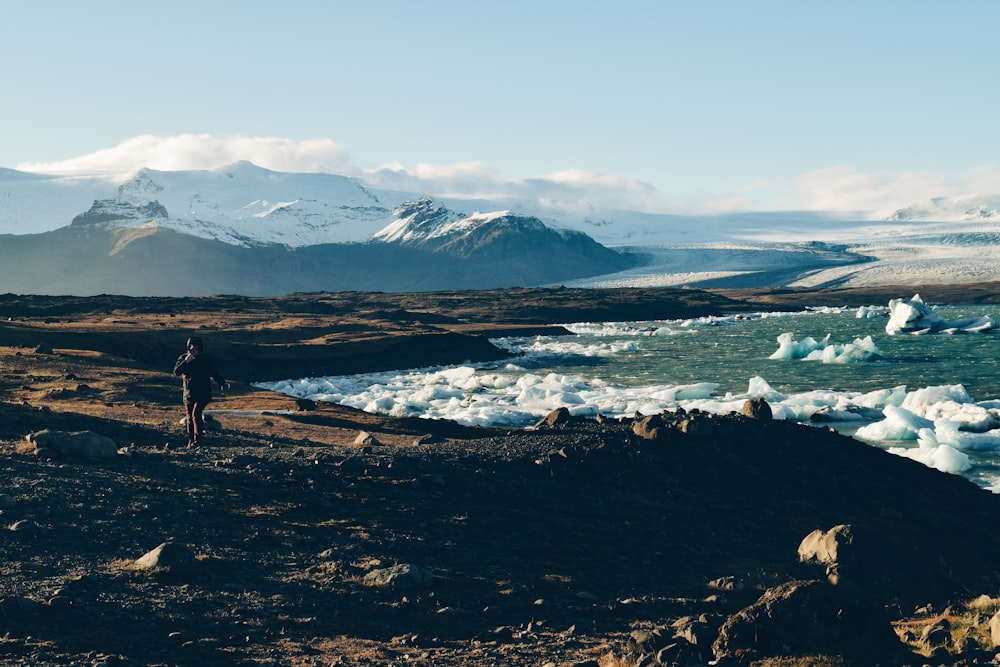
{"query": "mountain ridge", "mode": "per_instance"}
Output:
(337, 229)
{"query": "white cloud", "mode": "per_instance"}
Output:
(580, 178)
(462, 179)
(571, 188)
(833, 188)
(842, 188)
(202, 151)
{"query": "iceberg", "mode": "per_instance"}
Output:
(913, 316)
(935, 454)
(810, 349)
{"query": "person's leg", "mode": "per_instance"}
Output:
(199, 425)
(190, 420)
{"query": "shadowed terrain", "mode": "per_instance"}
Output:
(550, 544)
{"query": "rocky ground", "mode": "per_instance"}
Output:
(292, 539)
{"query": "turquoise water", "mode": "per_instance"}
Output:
(942, 389)
(731, 351)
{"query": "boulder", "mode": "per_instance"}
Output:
(995, 629)
(829, 547)
(77, 444)
(879, 562)
(399, 577)
(168, 556)
(366, 439)
(697, 426)
(757, 408)
(557, 417)
(801, 618)
(653, 427)
(645, 642)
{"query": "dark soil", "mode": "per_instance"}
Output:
(545, 545)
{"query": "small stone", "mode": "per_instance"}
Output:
(60, 602)
(23, 526)
(365, 438)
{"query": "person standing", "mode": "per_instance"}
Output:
(198, 369)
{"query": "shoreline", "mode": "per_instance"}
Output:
(308, 335)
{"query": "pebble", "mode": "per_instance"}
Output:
(22, 526)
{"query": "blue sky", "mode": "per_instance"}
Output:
(679, 105)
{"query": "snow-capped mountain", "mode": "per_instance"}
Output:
(428, 224)
(424, 219)
(251, 231)
(246, 205)
(499, 243)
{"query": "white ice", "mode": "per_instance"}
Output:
(913, 316)
(935, 454)
(810, 349)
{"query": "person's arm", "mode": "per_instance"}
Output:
(182, 361)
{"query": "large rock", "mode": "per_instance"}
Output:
(558, 417)
(757, 408)
(837, 546)
(995, 629)
(850, 553)
(400, 577)
(802, 618)
(880, 564)
(652, 427)
(168, 556)
(77, 444)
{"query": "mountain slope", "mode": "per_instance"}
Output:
(87, 259)
(498, 244)
(245, 205)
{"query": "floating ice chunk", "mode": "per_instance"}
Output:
(880, 398)
(869, 312)
(789, 348)
(921, 399)
(689, 392)
(970, 416)
(982, 324)
(949, 433)
(934, 454)
(913, 316)
(850, 414)
(861, 350)
(810, 349)
(759, 388)
(791, 412)
(951, 402)
(899, 424)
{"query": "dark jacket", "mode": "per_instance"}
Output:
(198, 374)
